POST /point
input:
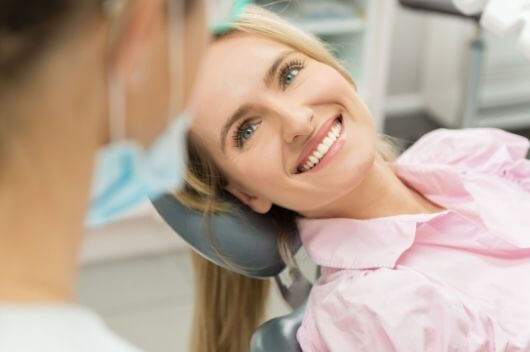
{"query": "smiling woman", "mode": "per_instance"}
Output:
(229, 306)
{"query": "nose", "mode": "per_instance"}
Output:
(296, 122)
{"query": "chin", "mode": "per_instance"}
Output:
(322, 197)
(350, 173)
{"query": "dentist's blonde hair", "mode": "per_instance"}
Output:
(229, 307)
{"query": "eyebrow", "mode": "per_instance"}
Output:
(243, 110)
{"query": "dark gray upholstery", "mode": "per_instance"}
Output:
(278, 334)
(247, 240)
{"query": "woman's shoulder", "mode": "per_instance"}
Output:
(486, 149)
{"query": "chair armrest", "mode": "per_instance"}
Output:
(278, 334)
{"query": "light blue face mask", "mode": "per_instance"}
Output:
(127, 174)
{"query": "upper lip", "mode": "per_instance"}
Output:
(313, 143)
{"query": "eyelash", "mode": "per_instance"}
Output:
(238, 132)
(286, 68)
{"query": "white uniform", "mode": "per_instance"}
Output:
(56, 328)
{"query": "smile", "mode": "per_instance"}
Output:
(320, 146)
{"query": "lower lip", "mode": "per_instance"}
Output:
(333, 150)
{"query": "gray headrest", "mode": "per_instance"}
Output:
(241, 241)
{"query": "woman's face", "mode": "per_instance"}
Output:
(285, 129)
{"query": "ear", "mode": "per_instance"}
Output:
(135, 32)
(258, 204)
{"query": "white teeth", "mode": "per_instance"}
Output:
(323, 147)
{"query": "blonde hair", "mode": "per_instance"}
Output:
(229, 306)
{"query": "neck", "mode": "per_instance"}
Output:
(380, 194)
(40, 230)
(45, 180)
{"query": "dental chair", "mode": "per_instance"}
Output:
(248, 240)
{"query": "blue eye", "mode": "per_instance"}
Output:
(289, 72)
(290, 76)
(244, 132)
(247, 132)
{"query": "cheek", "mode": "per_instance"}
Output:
(359, 150)
(261, 171)
(258, 171)
(325, 84)
(359, 156)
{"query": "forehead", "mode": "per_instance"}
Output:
(231, 75)
(236, 64)
(241, 54)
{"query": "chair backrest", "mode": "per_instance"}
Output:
(236, 236)
(228, 240)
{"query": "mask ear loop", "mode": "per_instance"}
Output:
(116, 90)
(175, 28)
